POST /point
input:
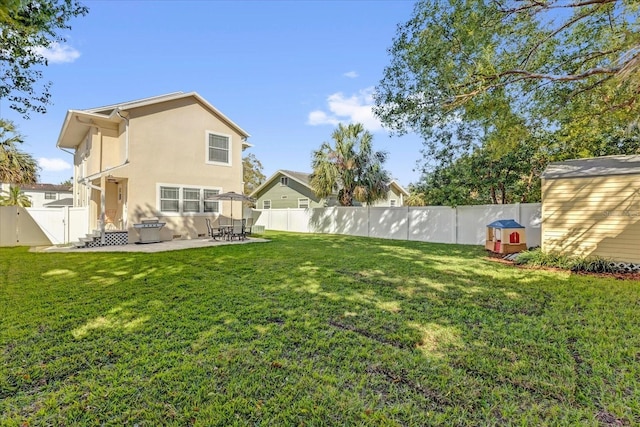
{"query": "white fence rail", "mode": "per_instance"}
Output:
(464, 224)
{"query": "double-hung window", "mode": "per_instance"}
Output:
(210, 205)
(49, 196)
(191, 200)
(218, 149)
(266, 204)
(187, 200)
(303, 203)
(170, 199)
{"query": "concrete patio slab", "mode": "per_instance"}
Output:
(171, 245)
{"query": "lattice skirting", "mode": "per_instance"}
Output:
(111, 238)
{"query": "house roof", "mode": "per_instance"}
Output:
(76, 121)
(305, 178)
(67, 201)
(595, 166)
(46, 187)
(301, 177)
(400, 188)
(505, 223)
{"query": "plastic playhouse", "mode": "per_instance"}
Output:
(505, 236)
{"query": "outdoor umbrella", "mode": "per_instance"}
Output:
(231, 196)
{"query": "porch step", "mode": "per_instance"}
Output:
(92, 240)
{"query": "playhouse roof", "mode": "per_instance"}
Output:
(595, 166)
(505, 223)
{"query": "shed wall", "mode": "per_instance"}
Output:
(592, 216)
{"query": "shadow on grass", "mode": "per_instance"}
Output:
(308, 327)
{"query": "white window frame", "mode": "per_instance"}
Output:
(393, 203)
(264, 202)
(284, 181)
(54, 196)
(181, 188)
(301, 201)
(206, 147)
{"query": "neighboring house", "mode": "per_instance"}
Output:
(289, 189)
(43, 195)
(155, 157)
(592, 207)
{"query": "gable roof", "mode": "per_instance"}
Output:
(73, 128)
(301, 177)
(594, 166)
(305, 178)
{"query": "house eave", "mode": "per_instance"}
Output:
(76, 125)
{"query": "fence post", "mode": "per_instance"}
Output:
(408, 222)
(455, 225)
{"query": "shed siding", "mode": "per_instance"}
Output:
(592, 216)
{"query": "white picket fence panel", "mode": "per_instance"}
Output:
(441, 224)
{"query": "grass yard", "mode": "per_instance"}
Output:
(313, 330)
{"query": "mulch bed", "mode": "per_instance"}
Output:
(619, 276)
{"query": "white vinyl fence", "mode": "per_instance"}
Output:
(42, 226)
(464, 224)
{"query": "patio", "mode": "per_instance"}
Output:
(171, 245)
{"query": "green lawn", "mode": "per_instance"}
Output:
(313, 330)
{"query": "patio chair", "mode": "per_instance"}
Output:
(213, 230)
(247, 226)
(237, 230)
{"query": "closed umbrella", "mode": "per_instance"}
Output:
(231, 196)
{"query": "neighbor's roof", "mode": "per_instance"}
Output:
(505, 223)
(76, 121)
(595, 166)
(46, 187)
(301, 177)
(68, 201)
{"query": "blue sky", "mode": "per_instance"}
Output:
(285, 71)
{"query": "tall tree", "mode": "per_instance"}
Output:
(16, 166)
(485, 77)
(252, 173)
(350, 167)
(27, 28)
(15, 198)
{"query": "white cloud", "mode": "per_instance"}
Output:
(53, 165)
(351, 74)
(357, 108)
(58, 54)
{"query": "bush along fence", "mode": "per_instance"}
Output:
(441, 224)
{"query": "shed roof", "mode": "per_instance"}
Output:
(594, 166)
(505, 223)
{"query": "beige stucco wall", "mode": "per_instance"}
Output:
(592, 216)
(168, 145)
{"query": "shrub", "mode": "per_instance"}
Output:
(594, 264)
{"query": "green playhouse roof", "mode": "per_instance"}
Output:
(505, 223)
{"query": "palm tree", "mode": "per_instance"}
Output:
(16, 166)
(351, 167)
(15, 198)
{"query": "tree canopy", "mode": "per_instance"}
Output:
(350, 167)
(27, 28)
(252, 173)
(482, 79)
(16, 166)
(15, 197)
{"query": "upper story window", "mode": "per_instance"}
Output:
(303, 203)
(49, 196)
(266, 204)
(392, 203)
(284, 180)
(218, 148)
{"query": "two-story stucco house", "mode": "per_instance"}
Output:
(155, 157)
(289, 189)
